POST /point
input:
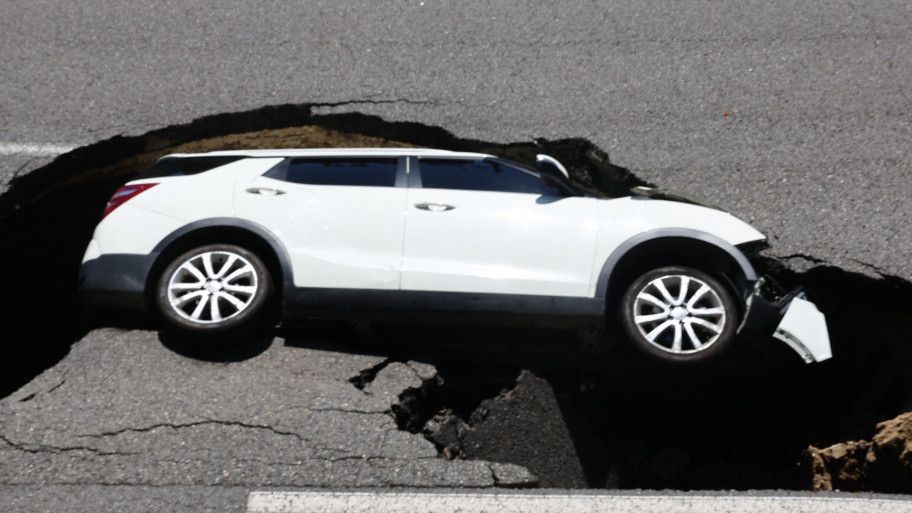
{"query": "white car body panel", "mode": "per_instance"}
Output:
(336, 237)
(135, 230)
(495, 242)
(622, 219)
(804, 329)
(373, 238)
(139, 225)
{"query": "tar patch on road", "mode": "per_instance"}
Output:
(744, 424)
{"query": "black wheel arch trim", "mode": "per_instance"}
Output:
(604, 279)
(231, 222)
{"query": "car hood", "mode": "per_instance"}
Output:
(639, 213)
(670, 195)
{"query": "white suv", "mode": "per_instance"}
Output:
(225, 243)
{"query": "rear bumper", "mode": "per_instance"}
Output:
(115, 281)
(790, 318)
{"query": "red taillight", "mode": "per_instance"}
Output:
(123, 194)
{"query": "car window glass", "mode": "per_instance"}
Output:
(185, 166)
(365, 172)
(482, 175)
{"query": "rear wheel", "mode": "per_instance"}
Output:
(679, 314)
(214, 293)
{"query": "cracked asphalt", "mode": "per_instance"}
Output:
(795, 117)
(123, 410)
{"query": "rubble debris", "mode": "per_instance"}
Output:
(507, 475)
(882, 464)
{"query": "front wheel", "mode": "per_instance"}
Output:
(214, 293)
(679, 314)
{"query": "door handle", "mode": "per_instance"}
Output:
(265, 191)
(434, 207)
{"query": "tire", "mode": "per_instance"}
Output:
(185, 290)
(662, 326)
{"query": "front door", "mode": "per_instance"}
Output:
(485, 226)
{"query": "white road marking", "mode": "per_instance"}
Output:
(560, 502)
(33, 149)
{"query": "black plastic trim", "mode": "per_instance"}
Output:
(604, 278)
(278, 171)
(754, 247)
(231, 222)
(372, 303)
(115, 281)
(765, 308)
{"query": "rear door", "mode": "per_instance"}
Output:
(486, 226)
(341, 219)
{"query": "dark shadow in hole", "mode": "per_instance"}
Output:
(330, 336)
(233, 351)
(127, 320)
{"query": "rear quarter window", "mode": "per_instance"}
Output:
(183, 166)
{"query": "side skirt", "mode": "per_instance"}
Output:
(424, 306)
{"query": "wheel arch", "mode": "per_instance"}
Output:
(250, 235)
(674, 246)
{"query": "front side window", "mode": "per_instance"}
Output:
(364, 172)
(482, 175)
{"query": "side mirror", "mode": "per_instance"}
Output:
(550, 165)
(553, 180)
(558, 183)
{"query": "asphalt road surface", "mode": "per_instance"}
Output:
(796, 117)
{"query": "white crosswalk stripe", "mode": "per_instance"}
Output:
(33, 149)
(563, 502)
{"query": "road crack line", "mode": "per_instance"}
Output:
(147, 429)
(52, 449)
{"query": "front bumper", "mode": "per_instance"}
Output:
(790, 318)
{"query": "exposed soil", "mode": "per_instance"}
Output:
(883, 463)
(746, 423)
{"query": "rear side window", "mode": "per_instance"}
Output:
(482, 175)
(365, 172)
(182, 166)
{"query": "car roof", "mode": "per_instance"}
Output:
(339, 152)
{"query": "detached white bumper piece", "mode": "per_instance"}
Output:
(804, 329)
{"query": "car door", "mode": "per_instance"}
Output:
(487, 226)
(341, 219)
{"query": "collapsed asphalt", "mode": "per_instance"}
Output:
(125, 407)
